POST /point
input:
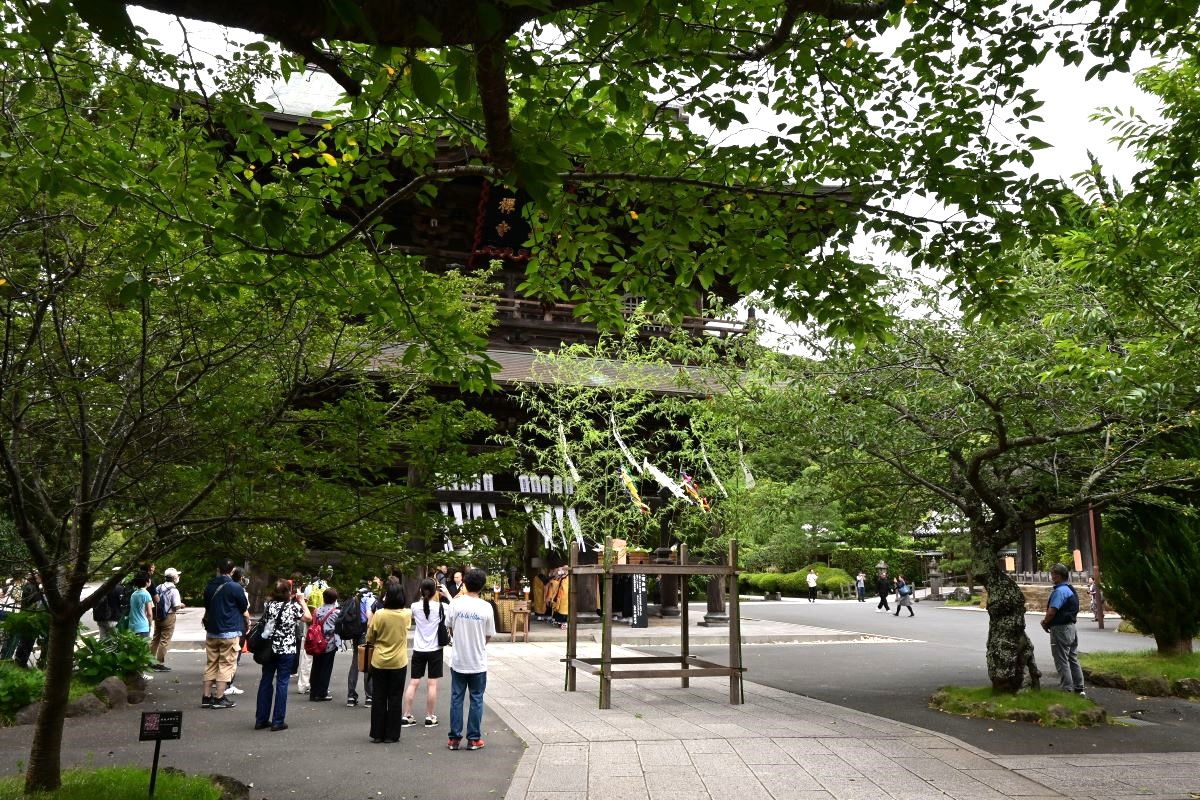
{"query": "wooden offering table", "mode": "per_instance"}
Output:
(688, 666)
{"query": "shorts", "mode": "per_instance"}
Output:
(220, 659)
(420, 660)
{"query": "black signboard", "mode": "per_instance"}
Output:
(639, 602)
(158, 726)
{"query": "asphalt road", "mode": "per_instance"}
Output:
(894, 675)
(325, 753)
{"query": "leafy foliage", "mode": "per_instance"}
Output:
(1152, 571)
(121, 654)
(18, 688)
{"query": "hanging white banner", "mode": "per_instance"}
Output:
(664, 481)
(540, 528)
(711, 472)
(562, 444)
(578, 531)
(621, 444)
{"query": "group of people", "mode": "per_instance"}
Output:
(145, 608)
(884, 588)
(307, 627)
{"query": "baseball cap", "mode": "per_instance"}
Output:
(171, 573)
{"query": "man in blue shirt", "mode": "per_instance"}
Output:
(141, 606)
(1059, 622)
(225, 619)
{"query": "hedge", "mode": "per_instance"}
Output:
(829, 581)
(853, 559)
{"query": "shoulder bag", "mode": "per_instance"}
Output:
(443, 631)
(259, 642)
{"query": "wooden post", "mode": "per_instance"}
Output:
(572, 631)
(735, 629)
(684, 586)
(606, 606)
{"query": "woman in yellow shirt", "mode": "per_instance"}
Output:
(388, 632)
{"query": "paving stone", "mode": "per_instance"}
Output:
(557, 779)
(705, 746)
(761, 751)
(618, 788)
(784, 776)
(1009, 783)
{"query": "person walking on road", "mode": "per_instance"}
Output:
(1059, 622)
(428, 615)
(860, 586)
(1093, 590)
(388, 633)
(472, 623)
(286, 609)
(166, 604)
(883, 587)
(812, 585)
(903, 596)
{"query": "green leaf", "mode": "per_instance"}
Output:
(425, 83)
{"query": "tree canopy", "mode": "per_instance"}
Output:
(580, 104)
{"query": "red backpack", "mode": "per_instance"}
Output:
(315, 642)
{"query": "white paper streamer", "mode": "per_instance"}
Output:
(711, 472)
(562, 444)
(664, 481)
(742, 460)
(621, 444)
(523, 482)
(575, 527)
(458, 513)
(546, 541)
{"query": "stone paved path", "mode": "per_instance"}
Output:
(661, 742)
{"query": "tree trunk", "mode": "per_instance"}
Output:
(45, 753)
(1009, 650)
(1172, 646)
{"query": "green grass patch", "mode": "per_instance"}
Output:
(1048, 707)
(1143, 664)
(973, 601)
(117, 783)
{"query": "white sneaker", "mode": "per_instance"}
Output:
(234, 690)
(432, 719)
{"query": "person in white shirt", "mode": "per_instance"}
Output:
(472, 622)
(812, 585)
(428, 616)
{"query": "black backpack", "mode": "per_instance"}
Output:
(349, 625)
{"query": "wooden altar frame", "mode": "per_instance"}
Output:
(688, 665)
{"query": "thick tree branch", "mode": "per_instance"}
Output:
(331, 64)
(492, 78)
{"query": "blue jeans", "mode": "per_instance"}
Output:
(460, 684)
(277, 670)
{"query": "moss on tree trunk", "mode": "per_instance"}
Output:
(1009, 650)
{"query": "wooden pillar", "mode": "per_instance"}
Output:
(668, 585)
(606, 629)
(735, 629)
(586, 588)
(684, 645)
(572, 632)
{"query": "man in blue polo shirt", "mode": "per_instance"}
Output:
(225, 620)
(1059, 622)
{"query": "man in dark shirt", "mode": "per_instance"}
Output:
(225, 619)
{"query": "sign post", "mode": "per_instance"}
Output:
(157, 726)
(639, 601)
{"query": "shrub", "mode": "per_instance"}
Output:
(793, 583)
(121, 654)
(836, 581)
(18, 688)
(769, 582)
